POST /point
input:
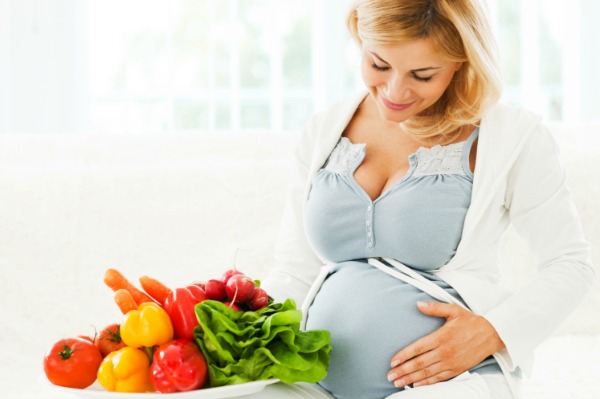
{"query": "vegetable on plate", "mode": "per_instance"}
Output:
(247, 346)
(126, 370)
(72, 362)
(109, 339)
(124, 300)
(179, 305)
(178, 366)
(148, 326)
(117, 281)
(155, 288)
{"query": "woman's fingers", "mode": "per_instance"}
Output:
(461, 343)
(419, 368)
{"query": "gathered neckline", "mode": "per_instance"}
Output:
(425, 161)
(419, 150)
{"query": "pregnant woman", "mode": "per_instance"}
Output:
(398, 200)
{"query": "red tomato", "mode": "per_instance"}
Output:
(86, 337)
(72, 362)
(109, 339)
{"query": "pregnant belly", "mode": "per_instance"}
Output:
(371, 316)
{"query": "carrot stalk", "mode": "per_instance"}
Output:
(155, 289)
(124, 300)
(116, 281)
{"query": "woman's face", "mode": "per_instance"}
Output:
(405, 79)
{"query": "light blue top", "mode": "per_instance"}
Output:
(417, 221)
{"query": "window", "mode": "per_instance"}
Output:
(549, 55)
(160, 66)
(200, 64)
(258, 64)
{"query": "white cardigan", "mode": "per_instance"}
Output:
(518, 180)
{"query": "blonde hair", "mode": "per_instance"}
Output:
(459, 30)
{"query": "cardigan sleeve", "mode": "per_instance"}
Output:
(296, 263)
(541, 210)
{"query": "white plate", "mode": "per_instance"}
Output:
(96, 391)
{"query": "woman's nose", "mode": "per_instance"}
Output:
(398, 89)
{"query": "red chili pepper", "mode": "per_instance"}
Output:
(180, 304)
(178, 366)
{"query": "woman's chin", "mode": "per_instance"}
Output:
(393, 116)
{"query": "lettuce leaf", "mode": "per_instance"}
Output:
(248, 346)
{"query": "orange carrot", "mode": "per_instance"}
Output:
(116, 281)
(155, 289)
(124, 300)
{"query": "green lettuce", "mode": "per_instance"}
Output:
(258, 345)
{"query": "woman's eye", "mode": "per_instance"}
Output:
(379, 68)
(422, 78)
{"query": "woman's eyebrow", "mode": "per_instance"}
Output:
(378, 57)
(428, 68)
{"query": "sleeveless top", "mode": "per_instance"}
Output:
(417, 221)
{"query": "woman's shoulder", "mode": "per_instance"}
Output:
(328, 124)
(339, 112)
(508, 132)
(509, 125)
(503, 114)
(324, 129)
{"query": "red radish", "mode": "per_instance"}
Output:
(215, 289)
(228, 274)
(233, 306)
(259, 300)
(240, 288)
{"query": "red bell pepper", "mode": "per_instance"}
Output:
(179, 305)
(178, 366)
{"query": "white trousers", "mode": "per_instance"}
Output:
(466, 386)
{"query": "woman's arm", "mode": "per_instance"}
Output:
(296, 264)
(541, 209)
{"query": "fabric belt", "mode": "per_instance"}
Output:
(408, 275)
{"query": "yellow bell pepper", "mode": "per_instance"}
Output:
(148, 326)
(126, 370)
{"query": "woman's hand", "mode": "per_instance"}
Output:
(461, 343)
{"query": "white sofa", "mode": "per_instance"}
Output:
(179, 208)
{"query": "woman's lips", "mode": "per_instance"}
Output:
(394, 106)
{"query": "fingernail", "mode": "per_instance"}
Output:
(399, 384)
(392, 377)
(422, 304)
(417, 384)
(395, 363)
